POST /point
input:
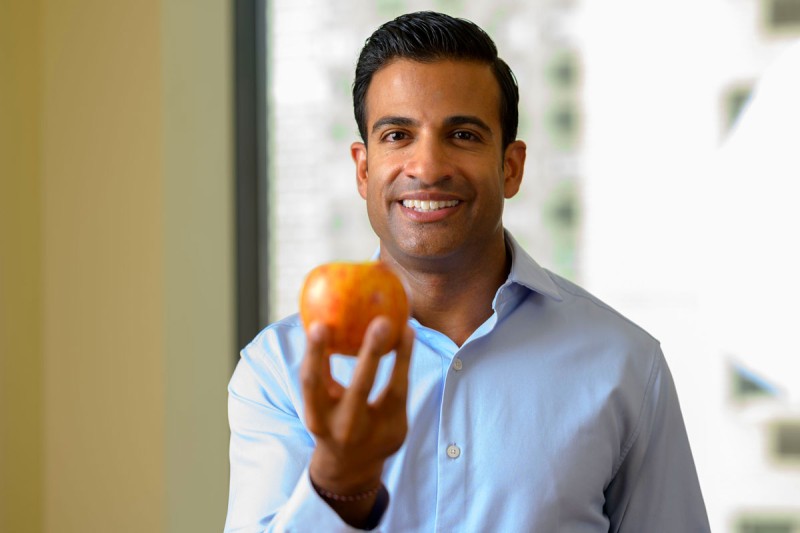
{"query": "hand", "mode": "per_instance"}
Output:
(354, 437)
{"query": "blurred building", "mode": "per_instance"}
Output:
(624, 107)
(672, 235)
(751, 326)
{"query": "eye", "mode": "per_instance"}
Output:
(464, 135)
(395, 136)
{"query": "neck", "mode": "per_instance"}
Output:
(454, 296)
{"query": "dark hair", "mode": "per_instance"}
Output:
(426, 37)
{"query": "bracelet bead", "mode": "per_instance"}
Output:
(347, 497)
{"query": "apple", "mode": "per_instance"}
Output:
(347, 296)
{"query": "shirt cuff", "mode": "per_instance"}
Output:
(306, 510)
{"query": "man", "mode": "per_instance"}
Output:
(528, 404)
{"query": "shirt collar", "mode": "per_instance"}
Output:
(527, 272)
(524, 270)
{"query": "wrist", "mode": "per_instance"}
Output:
(346, 480)
(352, 497)
(363, 510)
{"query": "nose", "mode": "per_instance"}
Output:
(429, 160)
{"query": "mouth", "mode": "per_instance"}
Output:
(428, 206)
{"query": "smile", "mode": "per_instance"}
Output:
(429, 205)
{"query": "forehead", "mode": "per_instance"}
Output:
(433, 91)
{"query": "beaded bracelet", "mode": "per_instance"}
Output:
(348, 497)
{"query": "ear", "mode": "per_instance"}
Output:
(358, 151)
(513, 167)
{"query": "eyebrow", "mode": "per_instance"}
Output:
(455, 120)
(461, 120)
(392, 121)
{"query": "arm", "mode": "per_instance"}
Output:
(271, 448)
(656, 488)
(354, 436)
(269, 453)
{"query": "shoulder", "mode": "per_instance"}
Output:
(271, 361)
(281, 336)
(567, 304)
(582, 333)
(282, 343)
(595, 316)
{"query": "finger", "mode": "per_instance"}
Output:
(333, 387)
(369, 356)
(315, 376)
(397, 388)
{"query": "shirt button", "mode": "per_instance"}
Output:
(457, 364)
(453, 451)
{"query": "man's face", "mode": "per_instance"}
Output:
(434, 172)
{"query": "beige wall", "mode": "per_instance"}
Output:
(197, 71)
(116, 275)
(20, 268)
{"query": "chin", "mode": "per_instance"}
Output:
(422, 244)
(422, 250)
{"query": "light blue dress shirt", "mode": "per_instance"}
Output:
(556, 415)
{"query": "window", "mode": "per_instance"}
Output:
(786, 440)
(767, 524)
(734, 101)
(781, 16)
(747, 384)
(783, 13)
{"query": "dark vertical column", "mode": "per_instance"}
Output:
(252, 278)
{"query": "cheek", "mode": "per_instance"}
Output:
(496, 185)
(376, 209)
(378, 188)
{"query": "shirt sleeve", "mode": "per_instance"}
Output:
(270, 489)
(655, 488)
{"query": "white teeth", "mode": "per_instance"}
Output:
(428, 205)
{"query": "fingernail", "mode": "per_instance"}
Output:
(316, 332)
(380, 328)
